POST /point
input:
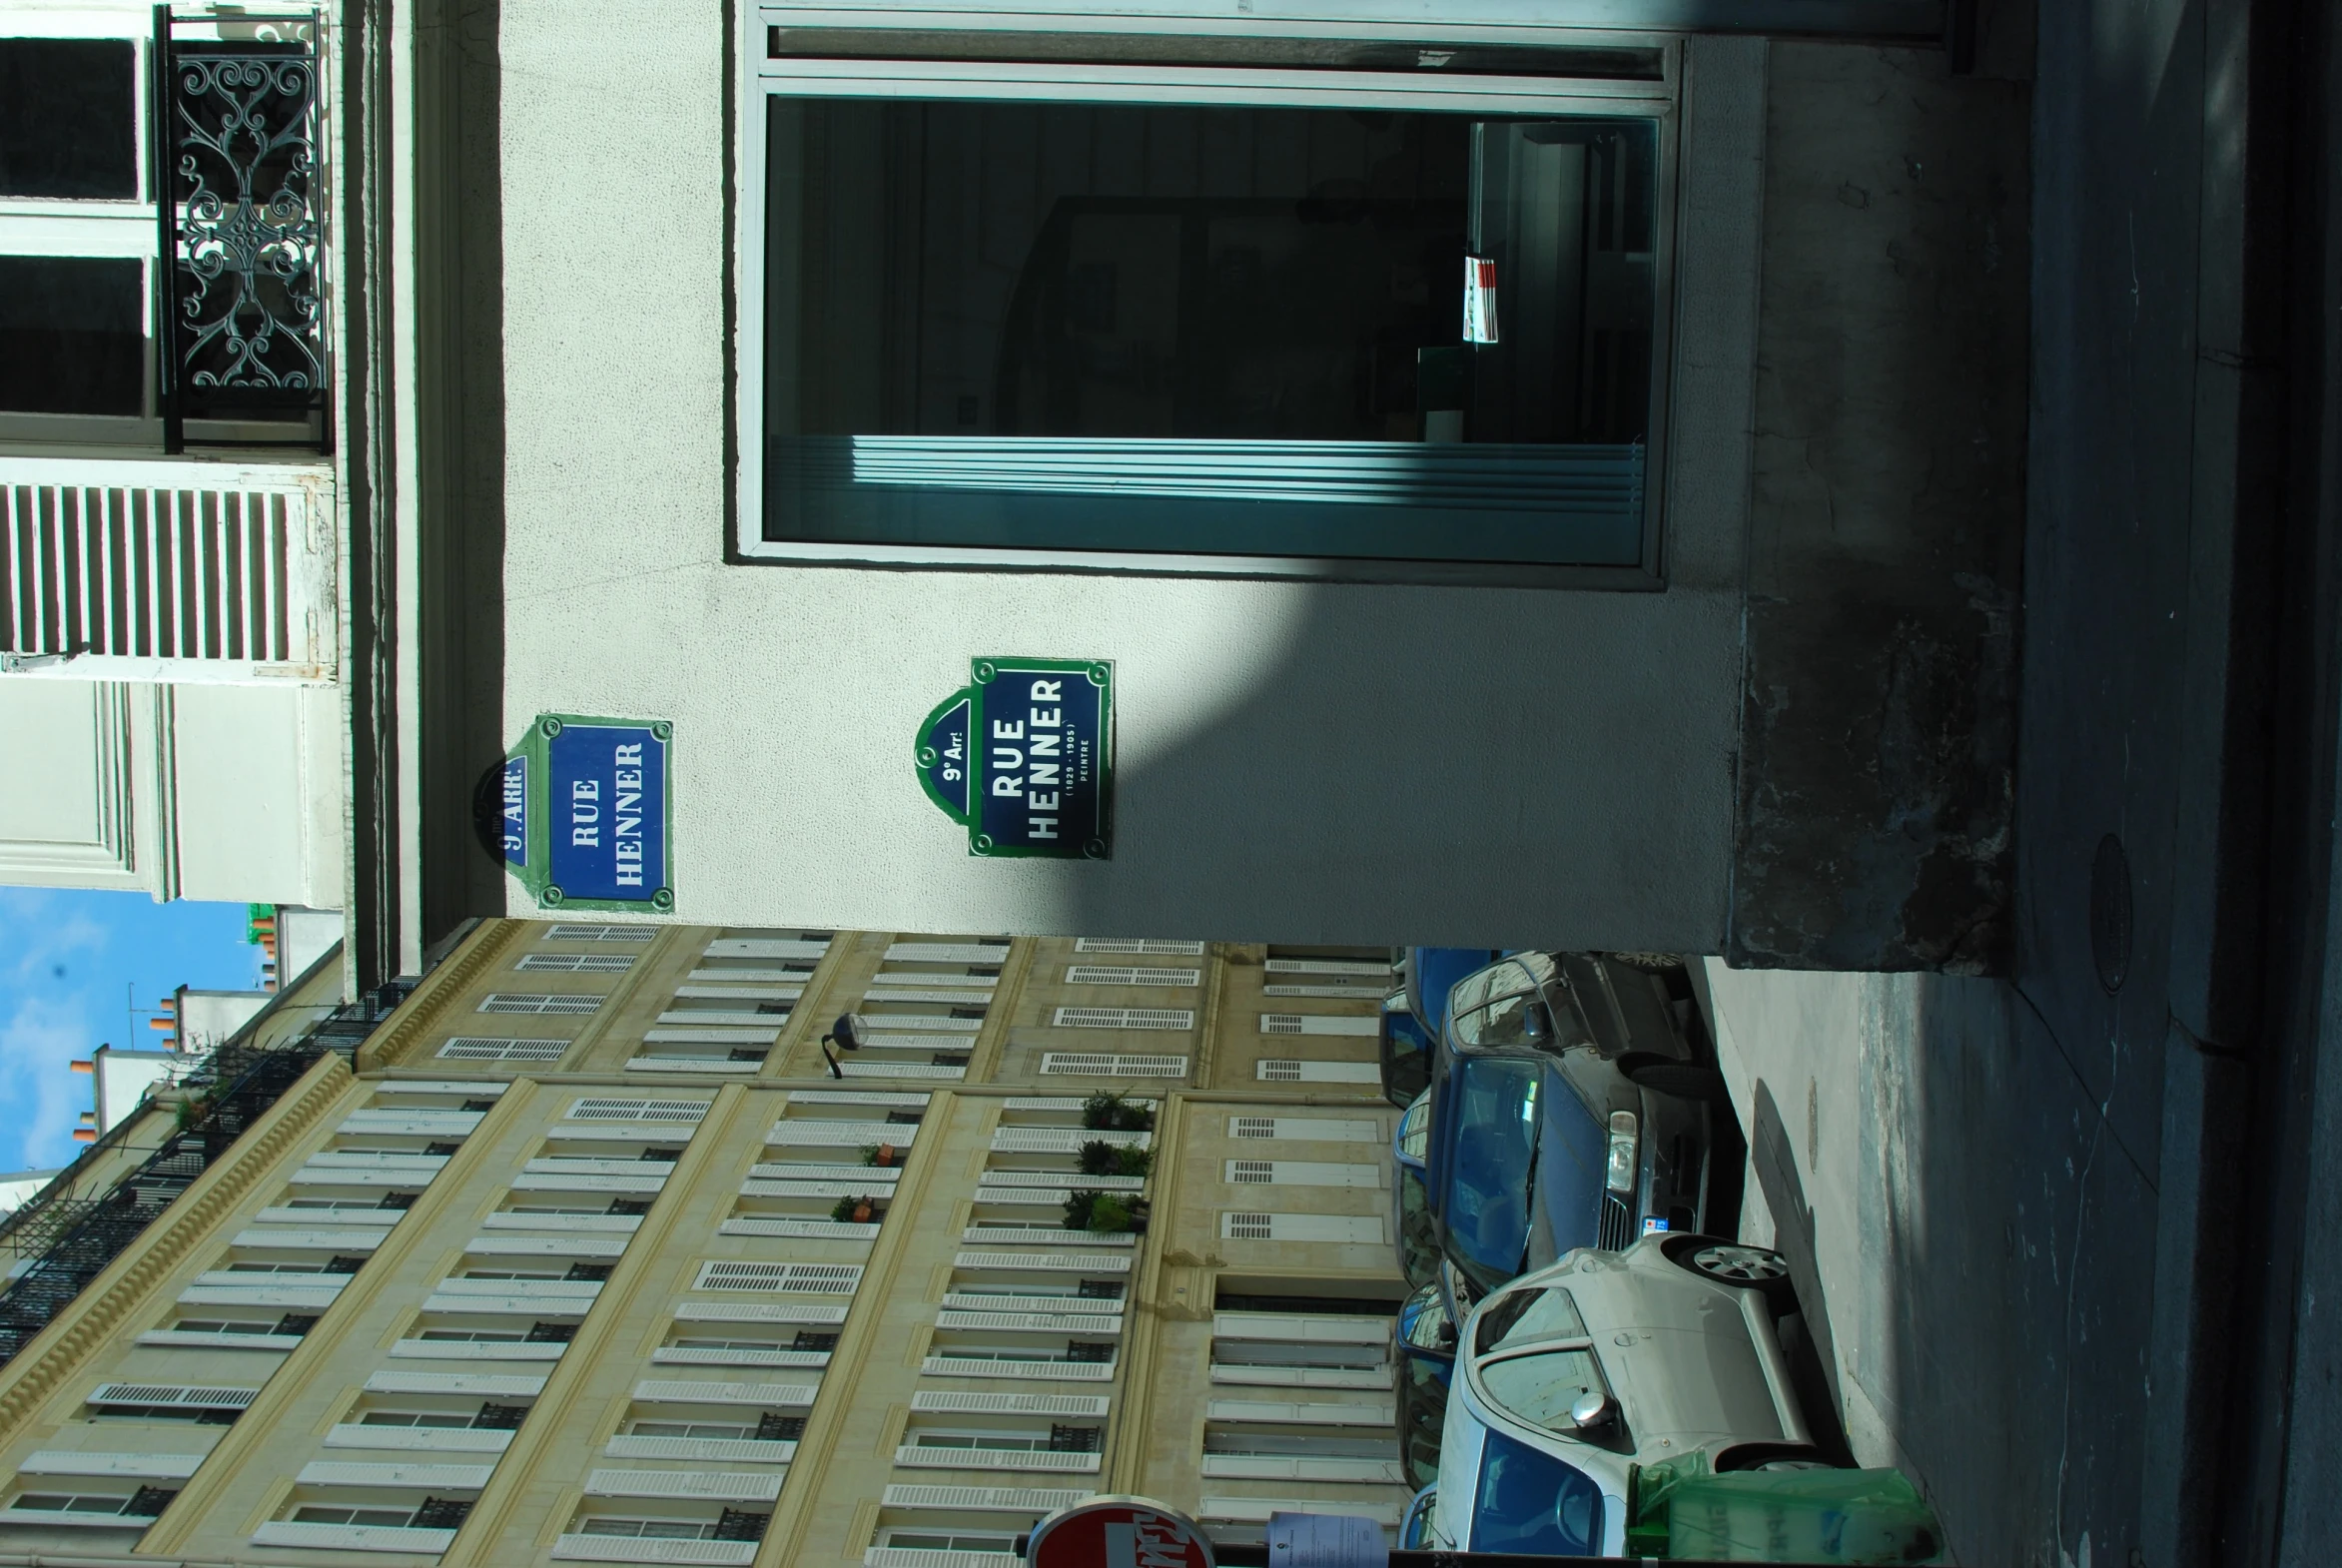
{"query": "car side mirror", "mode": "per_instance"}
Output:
(1537, 1024)
(1590, 1409)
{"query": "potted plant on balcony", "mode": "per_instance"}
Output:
(859, 1209)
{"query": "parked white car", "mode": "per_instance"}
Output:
(1570, 1378)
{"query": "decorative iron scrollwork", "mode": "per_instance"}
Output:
(245, 331)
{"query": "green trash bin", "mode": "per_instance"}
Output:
(1797, 1516)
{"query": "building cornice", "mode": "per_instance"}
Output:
(482, 951)
(59, 1351)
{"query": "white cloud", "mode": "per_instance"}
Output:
(38, 1044)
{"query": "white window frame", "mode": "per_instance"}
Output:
(99, 228)
(761, 78)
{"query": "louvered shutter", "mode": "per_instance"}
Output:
(1303, 1172)
(1291, 1071)
(737, 1486)
(481, 1048)
(823, 1279)
(985, 1500)
(1124, 1018)
(1078, 1064)
(1363, 967)
(1131, 975)
(1347, 1228)
(573, 931)
(1142, 945)
(562, 1003)
(1307, 1129)
(1046, 1263)
(576, 963)
(1011, 1404)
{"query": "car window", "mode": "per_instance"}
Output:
(1414, 1128)
(1525, 1315)
(1474, 988)
(1497, 1024)
(1533, 1502)
(1539, 1388)
(1486, 1209)
(1418, 1232)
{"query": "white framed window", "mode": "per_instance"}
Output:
(1283, 304)
(87, 302)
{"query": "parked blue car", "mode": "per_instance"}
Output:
(1570, 1102)
(1405, 1050)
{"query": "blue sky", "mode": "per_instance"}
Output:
(65, 959)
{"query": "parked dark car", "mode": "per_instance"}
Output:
(1411, 1221)
(1570, 1108)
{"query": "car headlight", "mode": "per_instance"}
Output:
(1620, 1175)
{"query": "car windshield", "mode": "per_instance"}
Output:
(1492, 1149)
(1572, 1156)
(1418, 1232)
(1533, 1502)
(1523, 1316)
(1538, 1388)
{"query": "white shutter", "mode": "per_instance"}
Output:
(897, 994)
(903, 1018)
(1089, 1307)
(1046, 1236)
(1256, 1377)
(946, 1364)
(986, 1499)
(1370, 996)
(185, 1340)
(910, 1456)
(469, 1088)
(1131, 975)
(931, 1069)
(501, 1385)
(481, 1048)
(1286, 1412)
(1031, 1322)
(949, 952)
(1303, 1172)
(1302, 1467)
(588, 1165)
(425, 1166)
(692, 1064)
(1059, 1179)
(731, 1486)
(564, 1003)
(629, 1549)
(416, 1123)
(1351, 1228)
(1079, 1063)
(482, 1350)
(513, 1220)
(461, 1477)
(820, 1278)
(1124, 1018)
(1046, 1263)
(750, 1024)
(585, 1289)
(858, 1096)
(287, 1238)
(352, 1537)
(865, 1178)
(847, 1184)
(677, 1390)
(1298, 1328)
(202, 1294)
(1319, 1023)
(763, 1312)
(920, 977)
(76, 1461)
(576, 963)
(1066, 1103)
(745, 1450)
(547, 1245)
(410, 1439)
(586, 1181)
(810, 1134)
(509, 1306)
(693, 1355)
(741, 992)
(1307, 1129)
(573, 931)
(1288, 1072)
(818, 1230)
(1011, 1404)
(183, 1395)
(1060, 1140)
(606, 1109)
(1258, 1510)
(768, 947)
(1145, 945)
(1365, 968)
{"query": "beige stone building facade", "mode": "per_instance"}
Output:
(586, 1252)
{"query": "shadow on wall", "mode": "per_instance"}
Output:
(459, 291)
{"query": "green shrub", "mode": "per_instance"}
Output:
(843, 1209)
(1107, 1111)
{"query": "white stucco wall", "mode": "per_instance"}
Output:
(1303, 761)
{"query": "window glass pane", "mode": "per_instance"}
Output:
(68, 118)
(71, 336)
(1540, 1387)
(1533, 1502)
(1208, 329)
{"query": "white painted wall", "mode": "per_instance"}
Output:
(1310, 761)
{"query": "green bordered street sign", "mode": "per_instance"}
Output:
(1023, 758)
(586, 813)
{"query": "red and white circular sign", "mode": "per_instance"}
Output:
(1119, 1533)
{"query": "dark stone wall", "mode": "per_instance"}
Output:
(1886, 519)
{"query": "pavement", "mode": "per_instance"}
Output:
(1975, 1236)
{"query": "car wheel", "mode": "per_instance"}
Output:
(1681, 1079)
(1742, 1267)
(1647, 963)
